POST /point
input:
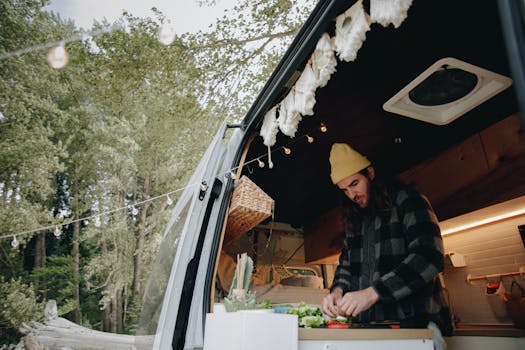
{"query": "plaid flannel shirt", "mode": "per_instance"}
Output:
(400, 257)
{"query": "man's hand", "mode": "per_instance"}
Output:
(331, 301)
(353, 303)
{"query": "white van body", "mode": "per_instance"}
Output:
(179, 293)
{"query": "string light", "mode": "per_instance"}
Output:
(97, 218)
(14, 242)
(82, 36)
(57, 232)
(166, 34)
(106, 213)
(57, 57)
(287, 150)
(323, 127)
(96, 221)
(310, 139)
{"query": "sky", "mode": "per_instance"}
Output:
(185, 15)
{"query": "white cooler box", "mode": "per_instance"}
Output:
(251, 330)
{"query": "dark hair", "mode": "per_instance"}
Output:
(380, 202)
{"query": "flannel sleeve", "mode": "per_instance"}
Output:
(425, 251)
(343, 273)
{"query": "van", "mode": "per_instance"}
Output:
(434, 99)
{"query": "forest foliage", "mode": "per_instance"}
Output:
(126, 120)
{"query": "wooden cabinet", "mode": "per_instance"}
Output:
(323, 237)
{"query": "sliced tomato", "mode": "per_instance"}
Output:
(337, 325)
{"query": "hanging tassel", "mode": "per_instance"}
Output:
(270, 163)
(388, 12)
(350, 32)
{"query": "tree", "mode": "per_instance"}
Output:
(123, 123)
(27, 88)
(243, 48)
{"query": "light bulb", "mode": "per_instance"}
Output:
(287, 150)
(14, 242)
(134, 211)
(96, 221)
(260, 162)
(323, 127)
(232, 175)
(169, 201)
(270, 164)
(166, 34)
(57, 232)
(310, 139)
(57, 57)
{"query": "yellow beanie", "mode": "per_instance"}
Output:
(345, 161)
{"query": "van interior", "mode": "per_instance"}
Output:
(466, 155)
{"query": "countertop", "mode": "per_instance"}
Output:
(486, 330)
(362, 334)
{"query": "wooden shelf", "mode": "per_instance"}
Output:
(487, 330)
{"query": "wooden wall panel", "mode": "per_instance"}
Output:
(450, 171)
(503, 140)
(323, 238)
(486, 169)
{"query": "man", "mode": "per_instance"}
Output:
(393, 251)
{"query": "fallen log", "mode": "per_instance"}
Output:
(57, 333)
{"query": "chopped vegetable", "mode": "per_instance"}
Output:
(307, 316)
(311, 321)
(265, 305)
(337, 324)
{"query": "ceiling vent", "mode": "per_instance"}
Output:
(445, 91)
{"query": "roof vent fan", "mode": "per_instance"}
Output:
(445, 91)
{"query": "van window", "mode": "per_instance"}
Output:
(156, 287)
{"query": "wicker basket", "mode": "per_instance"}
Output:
(249, 207)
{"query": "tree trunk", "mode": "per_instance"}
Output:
(119, 312)
(106, 321)
(76, 255)
(40, 261)
(76, 274)
(139, 243)
(40, 250)
(113, 315)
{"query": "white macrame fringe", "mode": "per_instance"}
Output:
(304, 98)
(323, 60)
(270, 127)
(350, 32)
(388, 12)
(289, 118)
